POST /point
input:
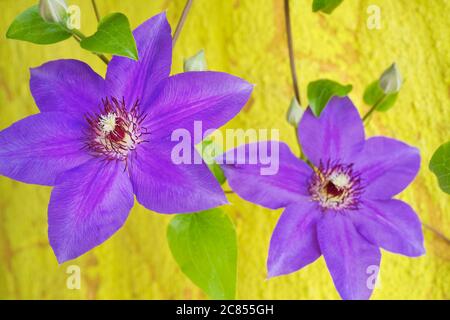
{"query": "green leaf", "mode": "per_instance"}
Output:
(388, 102)
(209, 152)
(321, 91)
(113, 36)
(196, 62)
(29, 26)
(440, 166)
(326, 6)
(204, 245)
(373, 94)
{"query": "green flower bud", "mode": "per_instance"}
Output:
(295, 113)
(391, 80)
(196, 62)
(53, 11)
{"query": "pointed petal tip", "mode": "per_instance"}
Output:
(268, 277)
(274, 272)
(219, 201)
(36, 71)
(61, 257)
(345, 296)
(61, 260)
(271, 274)
(162, 15)
(223, 198)
(419, 252)
(248, 86)
(162, 18)
(158, 21)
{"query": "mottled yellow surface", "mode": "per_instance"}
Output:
(245, 38)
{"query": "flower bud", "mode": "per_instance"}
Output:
(391, 80)
(196, 62)
(53, 11)
(294, 113)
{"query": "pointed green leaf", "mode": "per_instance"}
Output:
(440, 166)
(321, 91)
(113, 36)
(29, 26)
(373, 94)
(388, 102)
(326, 6)
(205, 247)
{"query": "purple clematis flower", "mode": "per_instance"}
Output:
(101, 141)
(343, 208)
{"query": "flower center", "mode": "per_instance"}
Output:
(108, 123)
(115, 131)
(336, 187)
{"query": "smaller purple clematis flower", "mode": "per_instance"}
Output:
(101, 141)
(343, 207)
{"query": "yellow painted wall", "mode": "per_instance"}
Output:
(245, 38)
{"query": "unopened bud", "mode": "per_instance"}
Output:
(391, 80)
(196, 62)
(294, 113)
(53, 11)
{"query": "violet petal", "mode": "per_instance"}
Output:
(338, 134)
(88, 205)
(165, 187)
(349, 257)
(213, 98)
(288, 185)
(294, 241)
(66, 85)
(392, 225)
(136, 80)
(40, 147)
(387, 166)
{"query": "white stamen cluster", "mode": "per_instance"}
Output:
(107, 123)
(335, 187)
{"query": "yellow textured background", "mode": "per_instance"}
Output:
(245, 38)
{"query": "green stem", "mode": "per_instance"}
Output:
(181, 22)
(302, 156)
(290, 43)
(295, 85)
(438, 233)
(374, 107)
(97, 13)
(79, 36)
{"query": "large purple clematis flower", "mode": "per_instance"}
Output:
(343, 208)
(101, 141)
